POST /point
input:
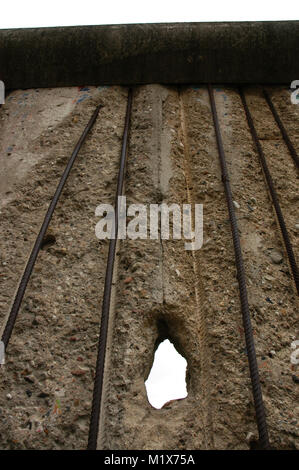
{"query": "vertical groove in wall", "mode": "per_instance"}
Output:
(199, 296)
(158, 125)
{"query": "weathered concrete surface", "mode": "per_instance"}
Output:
(248, 52)
(161, 290)
(24, 120)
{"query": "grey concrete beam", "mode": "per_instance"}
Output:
(240, 52)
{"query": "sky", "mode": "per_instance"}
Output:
(35, 13)
(167, 379)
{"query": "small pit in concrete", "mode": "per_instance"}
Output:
(48, 240)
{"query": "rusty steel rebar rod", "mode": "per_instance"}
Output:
(252, 360)
(273, 193)
(283, 130)
(37, 245)
(100, 365)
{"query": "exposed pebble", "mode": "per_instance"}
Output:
(78, 372)
(249, 436)
(276, 257)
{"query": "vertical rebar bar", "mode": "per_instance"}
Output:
(100, 365)
(252, 360)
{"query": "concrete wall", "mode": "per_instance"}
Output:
(47, 383)
(248, 52)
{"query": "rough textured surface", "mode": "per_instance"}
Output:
(236, 52)
(162, 290)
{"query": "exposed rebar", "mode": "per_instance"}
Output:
(37, 245)
(283, 131)
(251, 354)
(274, 196)
(100, 365)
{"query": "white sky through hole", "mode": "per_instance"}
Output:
(167, 379)
(35, 13)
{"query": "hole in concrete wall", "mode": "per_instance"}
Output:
(167, 378)
(48, 240)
